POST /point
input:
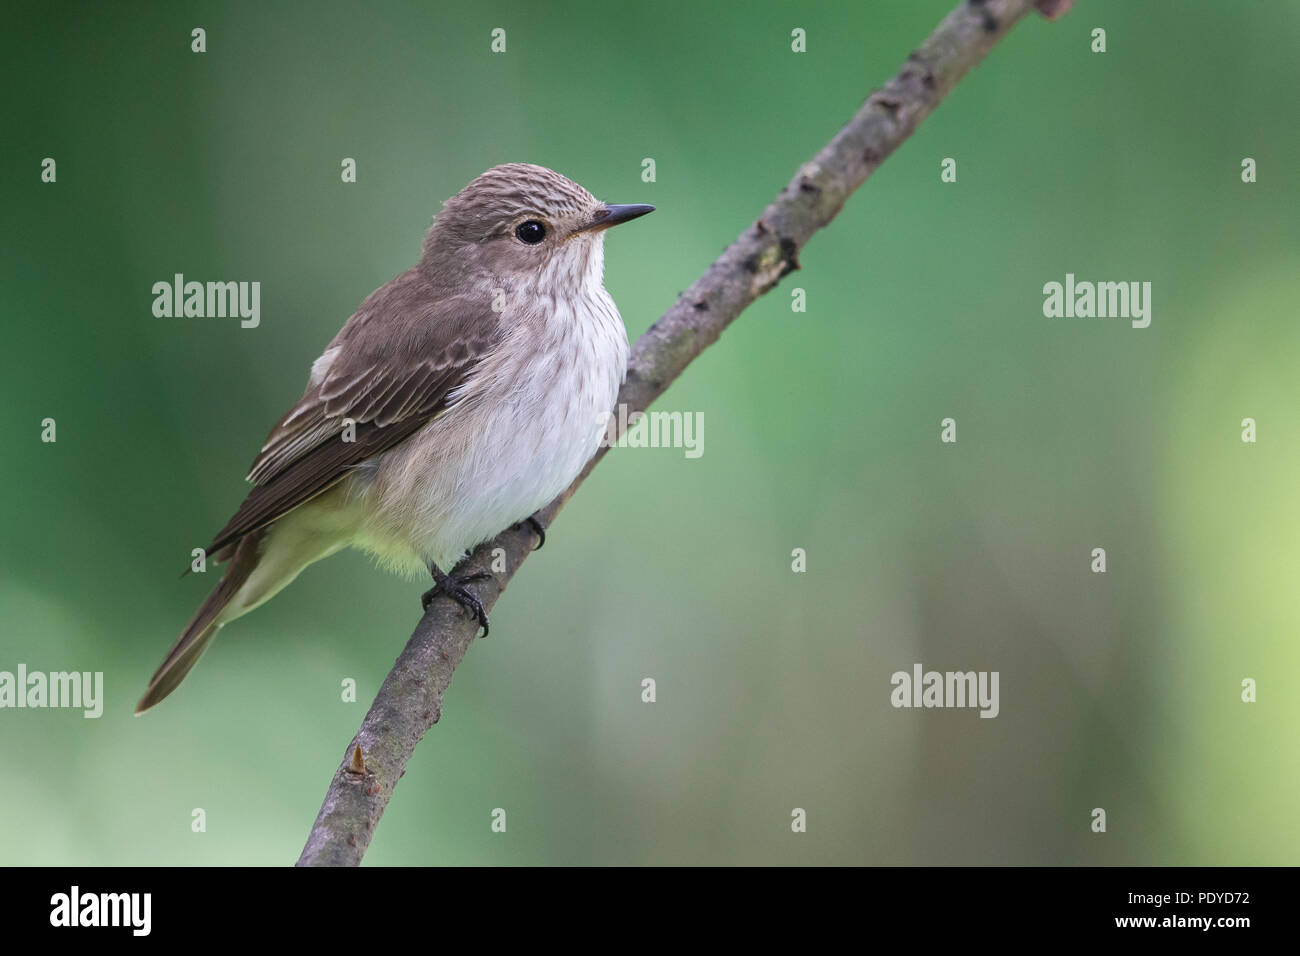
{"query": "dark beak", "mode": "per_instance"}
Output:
(612, 215)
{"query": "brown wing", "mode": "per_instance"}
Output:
(393, 367)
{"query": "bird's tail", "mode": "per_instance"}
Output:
(203, 626)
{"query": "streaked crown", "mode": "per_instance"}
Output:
(492, 204)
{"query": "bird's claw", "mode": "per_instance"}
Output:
(538, 528)
(454, 588)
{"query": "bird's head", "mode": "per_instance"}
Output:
(526, 226)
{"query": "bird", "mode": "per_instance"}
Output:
(460, 397)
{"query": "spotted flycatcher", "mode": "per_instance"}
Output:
(461, 397)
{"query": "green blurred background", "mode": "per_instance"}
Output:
(1119, 691)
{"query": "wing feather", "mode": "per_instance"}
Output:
(397, 361)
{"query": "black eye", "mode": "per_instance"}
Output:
(531, 232)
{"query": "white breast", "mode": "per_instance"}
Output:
(527, 424)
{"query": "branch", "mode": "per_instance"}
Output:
(410, 700)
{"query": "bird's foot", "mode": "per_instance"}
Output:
(539, 529)
(453, 586)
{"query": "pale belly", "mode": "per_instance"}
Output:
(492, 460)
